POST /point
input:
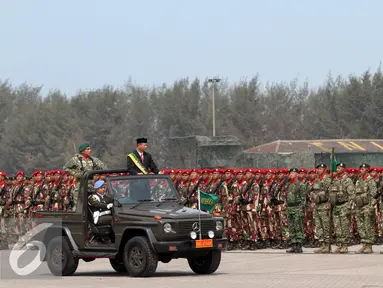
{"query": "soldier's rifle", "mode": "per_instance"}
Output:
(189, 195)
(242, 200)
(275, 201)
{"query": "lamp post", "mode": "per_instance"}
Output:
(213, 80)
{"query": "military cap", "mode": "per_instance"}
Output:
(99, 184)
(341, 165)
(141, 140)
(321, 165)
(185, 172)
(231, 170)
(364, 165)
(83, 146)
(294, 170)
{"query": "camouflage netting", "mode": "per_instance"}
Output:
(202, 151)
(275, 160)
(352, 159)
(227, 151)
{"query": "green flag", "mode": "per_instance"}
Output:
(208, 201)
(333, 161)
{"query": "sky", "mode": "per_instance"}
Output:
(72, 44)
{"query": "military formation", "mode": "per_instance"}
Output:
(263, 208)
(295, 208)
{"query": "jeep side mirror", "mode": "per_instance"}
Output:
(116, 203)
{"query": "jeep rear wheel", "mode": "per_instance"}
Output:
(206, 264)
(61, 261)
(139, 258)
(117, 265)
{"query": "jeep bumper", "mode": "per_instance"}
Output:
(189, 246)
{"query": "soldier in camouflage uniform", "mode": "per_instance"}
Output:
(81, 163)
(183, 184)
(342, 191)
(320, 196)
(280, 210)
(229, 192)
(266, 213)
(310, 230)
(296, 197)
(192, 194)
(248, 206)
(3, 187)
(365, 199)
(237, 218)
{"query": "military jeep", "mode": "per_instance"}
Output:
(149, 224)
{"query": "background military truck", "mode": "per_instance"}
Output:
(149, 225)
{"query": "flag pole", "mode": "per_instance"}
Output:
(331, 208)
(199, 213)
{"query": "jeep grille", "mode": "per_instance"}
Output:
(185, 227)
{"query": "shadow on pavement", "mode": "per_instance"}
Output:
(157, 275)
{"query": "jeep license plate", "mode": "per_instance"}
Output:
(207, 243)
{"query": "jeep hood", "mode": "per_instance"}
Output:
(164, 210)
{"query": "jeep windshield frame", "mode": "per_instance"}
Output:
(140, 189)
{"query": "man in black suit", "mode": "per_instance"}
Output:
(139, 161)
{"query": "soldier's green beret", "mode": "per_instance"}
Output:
(364, 165)
(294, 170)
(83, 146)
(321, 165)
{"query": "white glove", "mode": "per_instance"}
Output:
(110, 205)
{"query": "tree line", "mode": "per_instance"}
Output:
(42, 132)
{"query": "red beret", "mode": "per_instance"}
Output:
(185, 172)
(231, 170)
(172, 171)
(3, 174)
(269, 171)
(239, 171)
(259, 171)
(304, 170)
(374, 169)
(38, 172)
(195, 170)
(250, 170)
(58, 171)
(313, 170)
(20, 173)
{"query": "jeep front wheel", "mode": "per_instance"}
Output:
(117, 265)
(206, 264)
(61, 261)
(139, 258)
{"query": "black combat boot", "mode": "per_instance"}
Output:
(298, 248)
(292, 249)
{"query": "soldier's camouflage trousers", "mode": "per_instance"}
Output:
(280, 224)
(353, 225)
(322, 221)
(249, 226)
(295, 218)
(365, 217)
(379, 218)
(233, 228)
(341, 216)
(309, 224)
(266, 223)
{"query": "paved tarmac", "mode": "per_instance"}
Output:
(263, 268)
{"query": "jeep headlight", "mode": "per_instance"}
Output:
(168, 228)
(218, 225)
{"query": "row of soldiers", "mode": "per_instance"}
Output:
(344, 206)
(253, 202)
